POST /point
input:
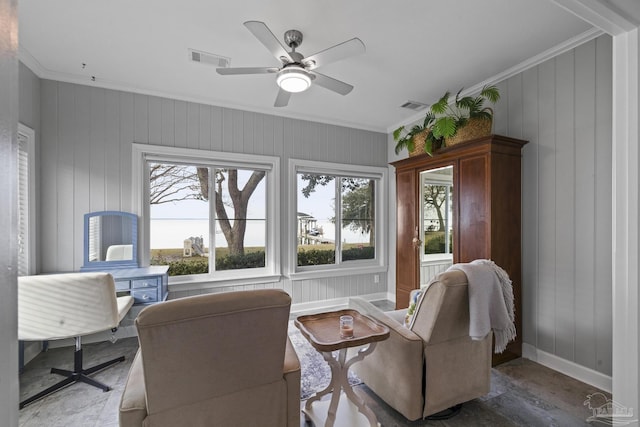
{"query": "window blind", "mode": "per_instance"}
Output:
(23, 205)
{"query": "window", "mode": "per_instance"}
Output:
(26, 200)
(209, 215)
(336, 217)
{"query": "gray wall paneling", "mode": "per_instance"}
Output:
(10, 92)
(86, 138)
(563, 107)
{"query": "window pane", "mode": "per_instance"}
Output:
(241, 222)
(316, 219)
(438, 214)
(358, 225)
(179, 218)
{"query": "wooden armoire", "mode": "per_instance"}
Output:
(486, 213)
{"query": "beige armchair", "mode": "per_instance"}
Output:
(214, 360)
(432, 365)
(70, 305)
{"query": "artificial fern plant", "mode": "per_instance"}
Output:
(405, 138)
(444, 119)
(449, 117)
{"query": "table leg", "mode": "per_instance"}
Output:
(340, 381)
(351, 395)
(329, 387)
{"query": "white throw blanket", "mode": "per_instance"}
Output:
(490, 302)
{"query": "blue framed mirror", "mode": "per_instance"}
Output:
(110, 240)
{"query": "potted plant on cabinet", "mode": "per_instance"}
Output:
(448, 123)
(464, 118)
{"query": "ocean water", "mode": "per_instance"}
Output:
(171, 233)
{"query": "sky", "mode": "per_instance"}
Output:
(198, 209)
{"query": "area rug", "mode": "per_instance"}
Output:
(316, 373)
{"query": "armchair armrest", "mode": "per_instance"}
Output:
(394, 371)
(133, 403)
(368, 309)
(291, 371)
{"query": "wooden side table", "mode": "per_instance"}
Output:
(323, 332)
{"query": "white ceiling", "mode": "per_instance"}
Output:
(415, 49)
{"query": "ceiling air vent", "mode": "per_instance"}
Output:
(209, 58)
(414, 105)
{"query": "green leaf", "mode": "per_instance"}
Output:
(397, 132)
(428, 146)
(440, 107)
(410, 145)
(402, 144)
(465, 103)
(475, 105)
(428, 119)
(415, 129)
(444, 127)
(491, 93)
(484, 114)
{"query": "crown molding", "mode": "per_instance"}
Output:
(29, 60)
(598, 14)
(559, 49)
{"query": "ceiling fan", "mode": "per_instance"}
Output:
(297, 71)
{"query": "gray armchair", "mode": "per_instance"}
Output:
(432, 365)
(214, 360)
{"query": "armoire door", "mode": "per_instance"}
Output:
(406, 250)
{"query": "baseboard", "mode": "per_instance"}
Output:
(572, 369)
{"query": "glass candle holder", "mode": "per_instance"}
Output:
(346, 326)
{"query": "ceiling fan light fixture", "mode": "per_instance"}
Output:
(293, 79)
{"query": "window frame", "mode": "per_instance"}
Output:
(143, 153)
(426, 259)
(354, 267)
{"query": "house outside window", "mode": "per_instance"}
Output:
(336, 218)
(209, 216)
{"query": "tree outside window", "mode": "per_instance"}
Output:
(437, 218)
(325, 237)
(205, 219)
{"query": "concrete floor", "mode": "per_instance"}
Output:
(523, 393)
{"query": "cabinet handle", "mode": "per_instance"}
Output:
(417, 243)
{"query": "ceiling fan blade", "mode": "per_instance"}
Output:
(282, 99)
(266, 37)
(335, 53)
(246, 70)
(332, 84)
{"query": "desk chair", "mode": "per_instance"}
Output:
(70, 305)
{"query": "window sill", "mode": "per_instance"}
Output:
(336, 272)
(178, 283)
(437, 259)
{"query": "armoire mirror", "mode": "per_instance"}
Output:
(436, 221)
(110, 240)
